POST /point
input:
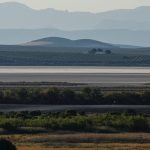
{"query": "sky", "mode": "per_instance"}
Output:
(84, 5)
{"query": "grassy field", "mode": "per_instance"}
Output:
(98, 147)
(40, 58)
(36, 55)
(82, 141)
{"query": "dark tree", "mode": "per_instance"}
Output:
(69, 96)
(100, 50)
(6, 145)
(93, 51)
(71, 113)
(108, 52)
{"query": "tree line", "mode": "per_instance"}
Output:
(86, 96)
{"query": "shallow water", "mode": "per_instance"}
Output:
(87, 108)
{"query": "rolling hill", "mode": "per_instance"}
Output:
(52, 51)
(125, 37)
(63, 42)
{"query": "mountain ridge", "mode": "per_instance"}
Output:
(19, 16)
(23, 24)
(11, 3)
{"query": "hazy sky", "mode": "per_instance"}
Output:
(83, 5)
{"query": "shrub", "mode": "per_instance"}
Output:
(9, 126)
(140, 124)
(71, 113)
(6, 145)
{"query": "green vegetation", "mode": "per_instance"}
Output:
(72, 121)
(85, 96)
(99, 51)
(72, 58)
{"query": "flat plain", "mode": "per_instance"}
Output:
(100, 76)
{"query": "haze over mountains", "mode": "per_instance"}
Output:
(15, 15)
(127, 37)
(23, 24)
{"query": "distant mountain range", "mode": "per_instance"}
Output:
(63, 42)
(21, 24)
(125, 37)
(16, 15)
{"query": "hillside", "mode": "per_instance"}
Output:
(125, 37)
(39, 55)
(63, 42)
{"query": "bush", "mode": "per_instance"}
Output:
(71, 113)
(6, 145)
(68, 96)
(140, 124)
(9, 126)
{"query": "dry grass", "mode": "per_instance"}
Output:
(81, 137)
(81, 141)
(116, 146)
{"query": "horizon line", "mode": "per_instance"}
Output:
(65, 10)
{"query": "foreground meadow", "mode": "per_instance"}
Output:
(81, 141)
(74, 129)
(100, 147)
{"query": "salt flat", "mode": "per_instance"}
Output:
(73, 69)
(91, 75)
